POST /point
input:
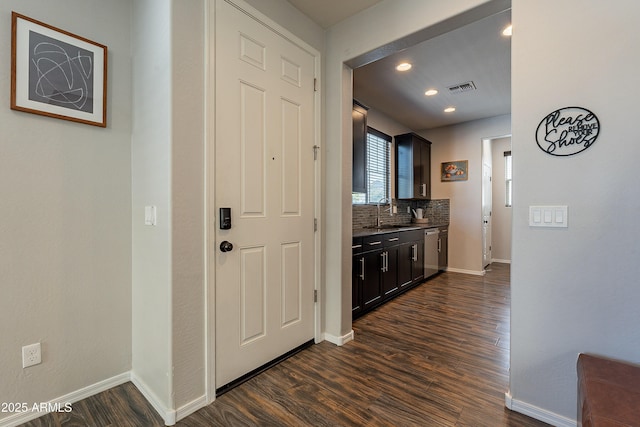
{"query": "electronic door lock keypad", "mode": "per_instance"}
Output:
(225, 218)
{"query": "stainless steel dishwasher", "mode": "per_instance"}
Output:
(431, 252)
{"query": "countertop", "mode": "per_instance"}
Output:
(363, 232)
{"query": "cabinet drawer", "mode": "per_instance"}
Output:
(390, 239)
(356, 245)
(411, 236)
(373, 242)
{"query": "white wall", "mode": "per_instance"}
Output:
(65, 245)
(576, 289)
(463, 142)
(501, 215)
(384, 123)
(188, 200)
(151, 185)
(169, 163)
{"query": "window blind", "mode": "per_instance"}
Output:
(378, 168)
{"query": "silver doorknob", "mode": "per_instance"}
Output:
(226, 246)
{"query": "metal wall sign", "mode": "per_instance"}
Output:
(567, 131)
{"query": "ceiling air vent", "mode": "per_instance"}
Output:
(462, 87)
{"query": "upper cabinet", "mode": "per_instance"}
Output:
(413, 167)
(359, 116)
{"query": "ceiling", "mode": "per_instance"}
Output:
(329, 12)
(477, 53)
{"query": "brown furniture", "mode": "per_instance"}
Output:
(608, 392)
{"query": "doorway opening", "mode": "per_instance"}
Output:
(496, 200)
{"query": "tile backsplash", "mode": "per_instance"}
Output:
(436, 210)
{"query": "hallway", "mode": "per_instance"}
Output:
(437, 355)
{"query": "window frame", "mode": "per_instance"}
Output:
(508, 179)
(386, 157)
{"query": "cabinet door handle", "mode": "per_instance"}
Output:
(439, 245)
(374, 243)
(395, 239)
(362, 268)
(386, 261)
(415, 252)
(382, 261)
(424, 190)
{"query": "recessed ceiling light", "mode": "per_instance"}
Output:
(450, 109)
(403, 67)
(508, 31)
(431, 92)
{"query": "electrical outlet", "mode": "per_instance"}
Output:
(31, 355)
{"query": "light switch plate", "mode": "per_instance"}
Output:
(150, 216)
(548, 216)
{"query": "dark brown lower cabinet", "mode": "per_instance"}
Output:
(390, 272)
(417, 265)
(356, 285)
(383, 266)
(411, 258)
(372, 282)
(405, 262)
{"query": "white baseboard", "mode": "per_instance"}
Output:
(501, 261)
(75, 396)
(460, 270)
(537, 413)
(339, 341)
(168, 415)
(191, 407)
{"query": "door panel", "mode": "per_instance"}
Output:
(290, 158)
(291, 260)
(264, 171)
(253, 146)
(253, 283)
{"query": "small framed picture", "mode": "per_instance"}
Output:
(57, 74)
(454, 171)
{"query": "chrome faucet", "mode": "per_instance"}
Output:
(383, 200)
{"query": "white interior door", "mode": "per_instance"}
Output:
(264, 172)
(486, 214)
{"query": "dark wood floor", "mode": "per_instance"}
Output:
(436, 356)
